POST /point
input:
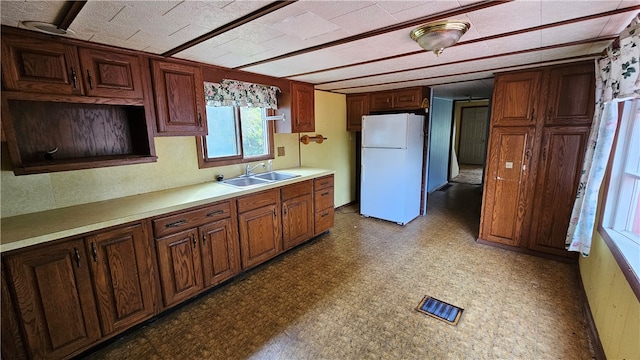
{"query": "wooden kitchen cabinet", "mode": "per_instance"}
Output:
(515, 98)
(196, 249)
(297, 214)
(259, 225)
(558, 177)
(179, 97)
(55, 302)
(122, 268)
(298, 106)
(357, 107)
(400, 99)
(323, 204)
(505, 199)
(39, 65)
(571, 95)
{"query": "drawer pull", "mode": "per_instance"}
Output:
(324, 193)
(325, 214)
(74, 78)
(176, 223)
(217, 212)
(324, 183)
(94, 252)
(76, 254)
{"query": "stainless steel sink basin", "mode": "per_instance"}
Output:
(258, 179)
(275, 176)
(245, 181)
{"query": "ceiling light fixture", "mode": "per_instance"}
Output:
(439, 35)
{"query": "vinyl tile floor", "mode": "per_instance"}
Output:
(352, 294)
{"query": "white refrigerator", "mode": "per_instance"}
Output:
(391, 173)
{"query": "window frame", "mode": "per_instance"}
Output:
(204, 162)
(615, 239)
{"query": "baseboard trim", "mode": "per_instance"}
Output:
(594, 337)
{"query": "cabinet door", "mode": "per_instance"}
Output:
(297, 220)
(121, 263)
(407, 99)
(260, 238)
(179, 266)
(381, 101)
(357, 107)
(505, 202)
(220, 252)
(36, 65)
(302, 107)
(515, 97)
(179, 96)
(54, 299)
(571, 95)
(558, 177)
(111, 74)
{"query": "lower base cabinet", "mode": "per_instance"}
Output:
(297, 214)
(70, 294)
(259, 227)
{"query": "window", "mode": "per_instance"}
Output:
(621, 218)
(236, 135)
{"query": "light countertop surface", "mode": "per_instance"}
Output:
(36, 228)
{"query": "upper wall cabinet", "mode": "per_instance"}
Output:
(515, 97)
(357, 107)
(179, 97)
(571, 95)
(50, 67)
(401, 99)
(302, 105)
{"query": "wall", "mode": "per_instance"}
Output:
(338, 151)
(177, 166)
(614, 306)
(439, 143)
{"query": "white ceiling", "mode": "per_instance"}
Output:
(466, 70)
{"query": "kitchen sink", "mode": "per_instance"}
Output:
(275, 176)
(258, 179)
(245, 181)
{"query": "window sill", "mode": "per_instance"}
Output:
(627, 255)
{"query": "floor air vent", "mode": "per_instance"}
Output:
(440, 310)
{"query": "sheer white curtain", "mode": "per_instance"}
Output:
(617, 79)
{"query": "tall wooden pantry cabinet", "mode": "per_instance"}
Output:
(540, 123)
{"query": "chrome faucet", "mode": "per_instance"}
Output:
(248, 168)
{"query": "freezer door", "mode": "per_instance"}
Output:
(383, 184)
(385, 131)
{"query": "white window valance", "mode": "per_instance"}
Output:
(240, 93)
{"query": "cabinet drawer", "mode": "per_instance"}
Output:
(188, 219)
(323, 182)
(258, 200)
(324, 220)
(297, 189)
(323, 199)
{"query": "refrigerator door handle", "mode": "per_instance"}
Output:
(362, 173)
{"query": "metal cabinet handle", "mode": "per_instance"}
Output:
(325, 214)
(74, 78)
(94, 252)
(204, 238)
(533, 113)
(193, 240)
(90, 79)
(284, 209)
(200, 119)
(324, 193)
(176, 223)
(76, 254)
(217, 212)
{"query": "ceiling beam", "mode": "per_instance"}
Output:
(410, 23)
(71, 11)
(480, 39)
(510, 53)
(230, 26)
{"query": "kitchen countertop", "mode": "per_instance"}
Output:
(36, 228)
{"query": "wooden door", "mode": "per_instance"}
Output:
(54, 299)
(571, 95)
(122, 268)
(558, 177)
(357, 107)
(220, 251)
(179, 266)
(303, 107)
(179, 95)
(515, 98)
(505, 204)
(473, 133)
(260, 238)
(36, 65)
(297, 220)
(111, 74)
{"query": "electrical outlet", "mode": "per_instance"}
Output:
(280, 150)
